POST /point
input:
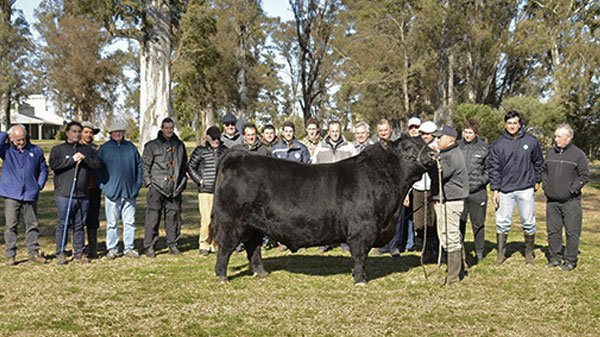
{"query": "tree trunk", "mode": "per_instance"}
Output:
(241, 75)
(451, 99)
(5, 106)
(155, 77)
(470, 79)
(198, 125)
(406, 99)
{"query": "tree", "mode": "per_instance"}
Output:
(15, 57)
(79, 73)
(314, 29)
(195, 56)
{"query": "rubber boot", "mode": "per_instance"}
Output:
(529, 245)
(92, 243)
(501, 239)
(429, 255)
(454, 267)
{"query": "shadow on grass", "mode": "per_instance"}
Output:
(319, 265)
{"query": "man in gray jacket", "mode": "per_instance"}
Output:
(450, 201)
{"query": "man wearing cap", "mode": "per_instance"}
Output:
(92, 223)
(24, 174)
(424, 213)
(515, 169)
(164, 164)
(230, 136)
(202, 168)
(476, 153)
(313, 136)
(361, 137)
(450, 202)
(121, 179)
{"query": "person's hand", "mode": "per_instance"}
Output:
(496, 199)
(406, 202)
(537, 187)
(78, 157)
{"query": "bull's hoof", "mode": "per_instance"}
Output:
(222, 280)
(263, 277)
(360, 284)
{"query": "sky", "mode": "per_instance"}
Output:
(272, 8)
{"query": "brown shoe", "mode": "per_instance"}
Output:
(10, 261)
(37, 259)
(81, 258)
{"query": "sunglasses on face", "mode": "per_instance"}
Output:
(413, 127)
(229, 124)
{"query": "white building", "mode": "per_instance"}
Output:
(34, 114)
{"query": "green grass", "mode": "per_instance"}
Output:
(306, 294)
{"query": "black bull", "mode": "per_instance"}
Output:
(356, 201)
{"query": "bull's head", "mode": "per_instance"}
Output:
(413, 149)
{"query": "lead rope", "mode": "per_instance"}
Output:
(439, 167)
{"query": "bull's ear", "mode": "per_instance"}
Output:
(384, 143)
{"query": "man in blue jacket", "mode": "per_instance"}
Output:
(24, 174)
(120, 179)
(515, 170)
(289, 147)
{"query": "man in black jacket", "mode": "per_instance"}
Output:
(164, 163)
(202, 168)
(63, 161)
(564, 173)
(476, 153)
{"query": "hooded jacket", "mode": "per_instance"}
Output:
(564, 173)
(515, 164)
(24, 173)
(164, 163)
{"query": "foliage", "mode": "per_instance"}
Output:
(15, 58)
(539, 118)
(81, 75)
(491, 121)
(61, 135)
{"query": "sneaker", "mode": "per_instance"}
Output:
(552, 264)
(10, 261)
(37, 259)
(132, 254)
(81, 258)
(112, 254)
(150, 253)
(567, 266)
(203, 252)
(174, 251)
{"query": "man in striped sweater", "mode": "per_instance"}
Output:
(202, 168)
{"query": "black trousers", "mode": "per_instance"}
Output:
(475, 207)
(566, 214)
(159, 205)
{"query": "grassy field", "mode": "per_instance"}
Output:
(307, 294)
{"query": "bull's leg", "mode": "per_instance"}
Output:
(254, 254)
(359, 249)
(226, 244)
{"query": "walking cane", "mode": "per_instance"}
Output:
(62, 246)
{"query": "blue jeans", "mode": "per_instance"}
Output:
(114, 209)
(504, 213)
(77, 219)
(410, 239)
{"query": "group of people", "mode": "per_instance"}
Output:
(430, 218)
